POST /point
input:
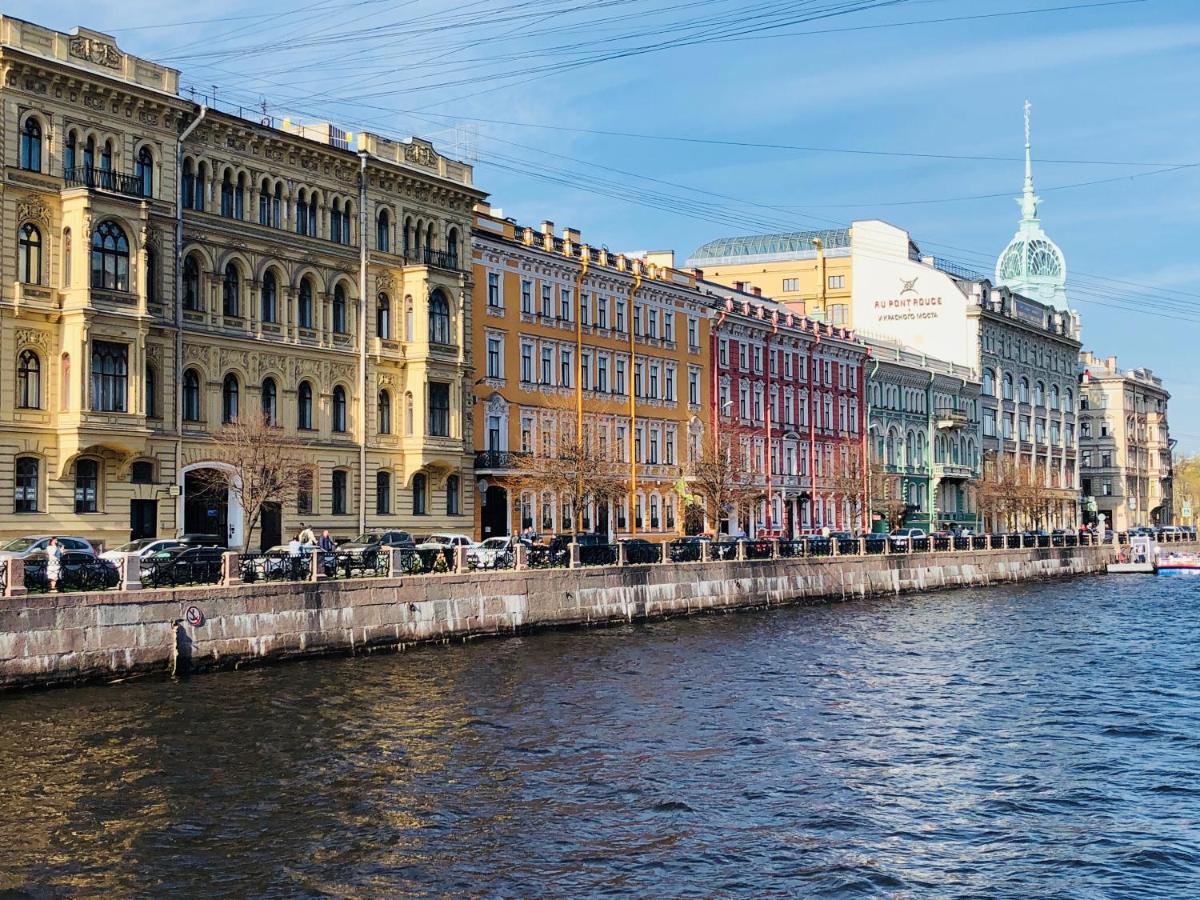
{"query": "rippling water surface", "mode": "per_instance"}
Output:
(1033, 741)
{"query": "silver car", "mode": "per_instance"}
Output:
(23, 546)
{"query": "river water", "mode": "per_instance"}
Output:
(1040, 740)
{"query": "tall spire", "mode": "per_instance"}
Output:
(1032, 264)
(1029, 200)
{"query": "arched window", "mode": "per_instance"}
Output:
(408, 227)
(191, 396)
(25, 493)
(409, 328)
(227, 195)
(89, 156)
(989, 383)
(106, 162)
(1023, 390)
(29, 254)
(110, 258)
(428, 241)
(301, 212)
(277, 207)
(339, 409)
(419, 491)
(1039, 393)
(87, 485)
(453, 496)
(654, 511)
(231, 291)
(304, 407)
(383, 231)
(144, 172)
(385, 413)
(110, 376)
(452, 247)
(312, 215)
(191, 283)
(1054, 396)
(383, 317)
(69, 156)
(29, 380)
(151, 275)
(339, 309)
(269, 298)
(187, 185)
(150, 390)
(31, 145)
(1068, 401)
(409, 415)
(229, 399)
(305, 303)
(335, 222)
(439, 318)
(198, 199)
(1008, 386)
(264, 203)
(346, 223)
(269, 397)
(383, 493)
(141, 472)
(239, 198)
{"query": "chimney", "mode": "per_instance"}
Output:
(757, 291)
(569, 234)
(547, 227)
(698, 274)
(739, 285)
(1111, 363)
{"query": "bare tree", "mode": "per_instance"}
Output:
(265, 468)
(850, 481)
(721, 482)
(574, 468)
(887, 495)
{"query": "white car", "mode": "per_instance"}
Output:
(144, 547)
(493, 553)
(444, 541)
(903, 538)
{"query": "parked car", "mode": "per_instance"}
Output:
(444, 541)
(370, 543)
(182, 564)
(689, 548)
(24, 546)
(640, 552)
(903, 538)
(80, 570)
(559, 554)
(143, 547)
(495, 552)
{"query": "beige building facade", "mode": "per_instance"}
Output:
(1124, 444)
(168, 267)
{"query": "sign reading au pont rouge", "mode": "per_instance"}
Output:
(908, 305)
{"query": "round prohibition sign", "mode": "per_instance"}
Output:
(194, 616)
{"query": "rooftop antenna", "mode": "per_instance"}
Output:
(266, 117)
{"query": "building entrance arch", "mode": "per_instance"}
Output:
(208, 511)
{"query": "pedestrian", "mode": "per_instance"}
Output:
(53, 563)
(326, 545)
(307, 536)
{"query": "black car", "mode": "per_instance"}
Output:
(182, 565)
(559, 545)
(640, 552)
(78, 571)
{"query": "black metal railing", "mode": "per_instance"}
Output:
(257, 567)
(759, 549)
(498, 459)
(88, 573)
(442, 259)
(643, 554)
(370, 563)
(105, 180)
(598, 554)
(685, 551)
(182, 570)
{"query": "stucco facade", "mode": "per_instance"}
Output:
(276, 267)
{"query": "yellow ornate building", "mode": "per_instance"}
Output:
(167, 267)
(808, 271)
(541, 299)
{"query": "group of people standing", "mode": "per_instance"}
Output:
(306, 541)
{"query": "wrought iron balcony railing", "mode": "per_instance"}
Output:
(493, 460)
(105, 180)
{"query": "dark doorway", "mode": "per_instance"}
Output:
(493, 518)
(789, 519)
(602, 517)
(270, 526)
(205, 507)
(143, 519)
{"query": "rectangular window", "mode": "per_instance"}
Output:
(304, 492)
(619, 387)
(602, 374)
(495, 353)
(526, 362)
(668, 326)
(526, 295)
(989, 424)
(585, 371)
(339, 492)
(743, 358)
(723, 352)
(564, 368)
(620, 323)
(693, 333)
(87, 485)
(547, 365)
(837, 281)
(601, 312)
(654, 381)
(637, 379)
(585, 309)
(439, 409)
(652, 323)
(526, 434)
(693, 387)
(669, 385)
(564, 305)
(791, 285)
(493, 289)
(547, 301)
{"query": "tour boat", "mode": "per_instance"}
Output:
(1137, 559)
(1179, 563)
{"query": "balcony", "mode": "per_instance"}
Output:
(439, 259)
(497, 460)
(104, 180)
(953, 470)
(949, 417)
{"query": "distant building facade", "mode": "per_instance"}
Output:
(1125, 445)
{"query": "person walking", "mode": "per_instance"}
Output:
(326, 545)
(307, 536)
(53, 563)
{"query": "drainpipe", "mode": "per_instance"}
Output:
(714, 346)
(864, 395)
(767, 421)
(633, 291)
(929, 429)
(577, 502)
(362, 342)
(192, 126)
(812, 429)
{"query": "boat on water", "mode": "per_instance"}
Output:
(1137, 559)
(1178, 564)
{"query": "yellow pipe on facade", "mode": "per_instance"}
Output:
(577, 514)
(633, 291)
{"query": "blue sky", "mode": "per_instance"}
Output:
(1109, 82)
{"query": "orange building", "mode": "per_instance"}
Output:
(564, 332)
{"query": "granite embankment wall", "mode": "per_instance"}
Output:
(48, 639)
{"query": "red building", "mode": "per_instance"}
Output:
(788, 397)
